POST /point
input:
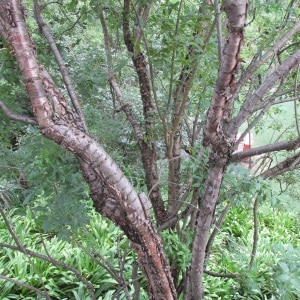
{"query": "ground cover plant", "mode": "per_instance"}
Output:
(274, 273)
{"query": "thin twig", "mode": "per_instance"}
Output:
(21, 247)
(217, 227)
(256, 63)
(173, 61)
(222, 275)
(15, 117)
(127, 108)
(55, 263)
(121, 261)
(40, 234)
(63, 70)
(219, 29)
(103, 263)
(26, 286)
(268, 102)
(295, 103)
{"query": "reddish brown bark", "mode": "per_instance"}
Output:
(219, 139)
(147, 143)
(111, 191)
(174, 141)
(180, 99)
(220, 131)
(63, 70)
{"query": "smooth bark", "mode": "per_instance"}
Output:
(286, 165)
(12, 116)
(283, 145)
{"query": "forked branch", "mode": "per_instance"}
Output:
(63, 70)
(287, 165)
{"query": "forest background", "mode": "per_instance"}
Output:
(163, 87)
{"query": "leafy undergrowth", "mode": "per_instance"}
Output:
(100, 253)
(94, 253)
(275, 272)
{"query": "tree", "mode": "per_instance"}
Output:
(241, 94)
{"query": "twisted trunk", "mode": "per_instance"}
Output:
(112, 193)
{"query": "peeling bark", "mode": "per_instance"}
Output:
(147, 143)
(63, 70)
(113, 195)
(111, 191)
(219, 139)
(221, 107)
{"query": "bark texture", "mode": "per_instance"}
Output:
(146, 143)
(112, 193)
(219, 139)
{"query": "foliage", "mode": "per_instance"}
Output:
(274, 274)
(98, 237)
(275, 262)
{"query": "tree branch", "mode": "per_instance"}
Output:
(143, 16)
(127, 108)
(284, 145)
(287, 165)
(219, 29)
(220, 110)
(287, 47)
(26, 286)
(256, 63)
(148, 145)
(20, 247)
(63, 70)
(295, 103)
(281, 72)
(15, 117)
(180, 99)
(282, 100)
(217, 227)
(221, 275)
(267, 103)
(55, 263)
(219, 138)
(112, 193)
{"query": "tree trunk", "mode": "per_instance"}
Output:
(112, 193)
(219, 139)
